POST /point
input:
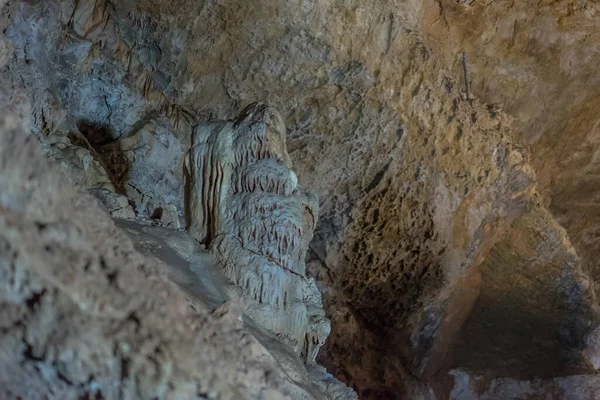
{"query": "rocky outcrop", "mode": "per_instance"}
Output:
(87, 312)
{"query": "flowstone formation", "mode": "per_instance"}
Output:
(246, 205)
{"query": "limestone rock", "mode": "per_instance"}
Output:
(418, 125)
(539, 67)
(245, 203)
(80, 166)
(575, 387)
(85, 315)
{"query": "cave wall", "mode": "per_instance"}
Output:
(85, 315)
(428, 196)
(537, 61)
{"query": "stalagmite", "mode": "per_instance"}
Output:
(247, 207)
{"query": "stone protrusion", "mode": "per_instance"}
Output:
(245, 204)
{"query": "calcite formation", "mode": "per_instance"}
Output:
(246, 205)
(449, 144)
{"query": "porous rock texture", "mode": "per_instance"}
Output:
(450, 143)
(541, 68)
(96, 308)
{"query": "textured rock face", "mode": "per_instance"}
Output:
(247, 205)
(73, 323)
(440, 265)
(540, 67)
(89, 313)
(532, 286)
(73, 328)
(573, 387)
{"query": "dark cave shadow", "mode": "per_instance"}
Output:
(105, 147)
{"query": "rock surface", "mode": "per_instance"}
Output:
(449, 144)
(541, 68)
(246, 205)
(89, 313)
(84, 315)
